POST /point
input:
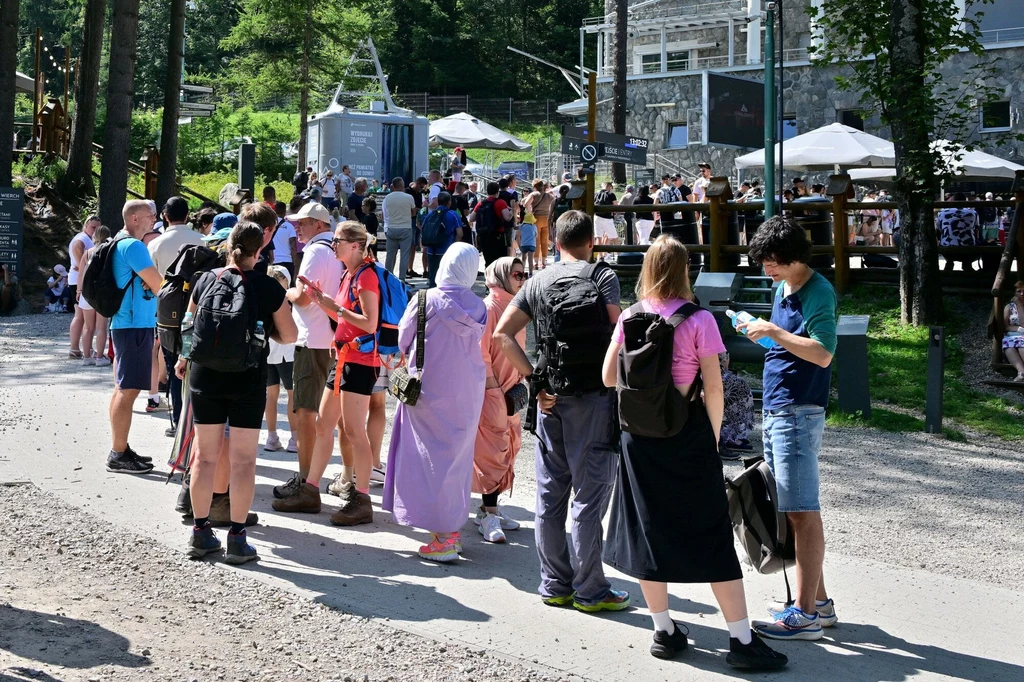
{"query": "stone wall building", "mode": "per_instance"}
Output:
(672, 42)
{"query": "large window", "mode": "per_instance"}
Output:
(995, 116)
(677, 61)
(851, 118)
(676, 136)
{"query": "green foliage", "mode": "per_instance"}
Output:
(210, 185)
(39, 168)
(898, 362)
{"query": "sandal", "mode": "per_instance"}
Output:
(75, 355)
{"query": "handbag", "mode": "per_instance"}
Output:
(516, 398)
(402, 384)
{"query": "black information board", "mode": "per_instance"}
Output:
(618, 148)
(12, 213)
(734, 111)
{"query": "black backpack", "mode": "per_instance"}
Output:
(486, 221)
(649, 403)
(172, 300)
(434, 229)
(574, 331)
(99, 286)
(604, 198)
(224, 332)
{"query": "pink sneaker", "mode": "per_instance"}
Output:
(438, 550)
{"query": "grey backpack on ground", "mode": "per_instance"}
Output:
(763, 531)
(649, 403)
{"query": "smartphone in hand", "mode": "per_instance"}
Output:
(311, 285)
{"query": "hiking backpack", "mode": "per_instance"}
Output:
(573, 331)
(649, 403)
(486, 221)
(434, 227)
(224, 333)
(394, 299)
(763, 531)
(603, 198)
(99, 286)
(179, 280)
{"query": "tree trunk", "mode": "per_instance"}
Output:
(307, 48)
(77, 180)
(619, 82)
(8, 66)
(166, 184)
(916, 185)
(117, 132)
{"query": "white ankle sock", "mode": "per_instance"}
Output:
(740, 629)
(819, 602)
(663, 621)
(348, 474)
(154, 396)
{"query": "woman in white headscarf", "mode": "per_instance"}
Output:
(430, 463)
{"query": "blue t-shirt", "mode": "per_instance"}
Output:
(809, 312)
(138, 309)
(452, 222)
(528, 235)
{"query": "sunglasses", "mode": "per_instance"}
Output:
(336, 241)
(519, 276)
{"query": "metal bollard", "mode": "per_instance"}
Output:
(852, 375)
(936, 369)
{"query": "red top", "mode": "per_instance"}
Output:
(347, 331)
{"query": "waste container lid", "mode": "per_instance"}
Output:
(853, 325)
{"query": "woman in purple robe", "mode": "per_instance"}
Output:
(430, 463)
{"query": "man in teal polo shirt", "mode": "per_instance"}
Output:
(797, 373)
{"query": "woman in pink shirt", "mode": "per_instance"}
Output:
(499, 435)
(670, 517)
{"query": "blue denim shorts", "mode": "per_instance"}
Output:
(792, 441)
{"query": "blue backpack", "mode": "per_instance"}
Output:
(394, 299)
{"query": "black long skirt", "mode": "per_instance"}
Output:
(670, 516)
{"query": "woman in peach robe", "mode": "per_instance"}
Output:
(498, 436)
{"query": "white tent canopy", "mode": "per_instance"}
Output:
(466, 131)
(23, 83)
(827, 147)
(973, 165)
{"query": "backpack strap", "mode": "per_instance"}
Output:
(683, 313)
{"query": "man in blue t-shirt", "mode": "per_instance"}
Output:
(132, 329)
(797, 372)
(453, 233)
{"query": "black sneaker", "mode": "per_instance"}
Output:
(239, 551)
(128, 451)
(127, 464)
(171, 431)
(668, 646)
(754, 656)
(203, 542)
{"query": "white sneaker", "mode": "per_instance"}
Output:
(826, 612)
(102, 361)
(506, 522)
(273, 443)
(88, 361)
(293, 445)
(377, 476)
(490, 528)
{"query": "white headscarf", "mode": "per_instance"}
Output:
(459, 266)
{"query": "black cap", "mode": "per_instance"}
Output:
(703, 164)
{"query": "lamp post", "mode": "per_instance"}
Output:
(770, 125)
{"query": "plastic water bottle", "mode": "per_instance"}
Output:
(260, 338)
(738, 318)
(186, 335)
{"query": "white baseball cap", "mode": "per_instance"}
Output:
(312, 210)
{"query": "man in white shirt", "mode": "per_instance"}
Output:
(285, 242)
(330, 190)
(348, 183)
(312, 349)
(399, 208)
(435, 188)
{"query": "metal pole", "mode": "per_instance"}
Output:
(781, 84)
(510, 111)
(37, 96)
(588, 196)
(582, 83)
(769, 111)
(936, 366)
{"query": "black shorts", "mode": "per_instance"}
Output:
(280, 374)
(133, 357)
(243, 411)
(354, 378)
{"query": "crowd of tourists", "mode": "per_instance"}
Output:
(308, 307)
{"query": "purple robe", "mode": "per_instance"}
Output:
(430, 458)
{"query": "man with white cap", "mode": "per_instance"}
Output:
(312, 348)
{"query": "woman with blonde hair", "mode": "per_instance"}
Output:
(540, 203)
(670, 517)
(356, 307)
(499, 434)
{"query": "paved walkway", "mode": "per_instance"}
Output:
(896, 623)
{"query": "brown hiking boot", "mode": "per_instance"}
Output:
(358, 510)
(220, 512)
(306, 500)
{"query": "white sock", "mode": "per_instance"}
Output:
(154, 396)
(663, 621)
(348, 474)
(820, 602)
(740, 629)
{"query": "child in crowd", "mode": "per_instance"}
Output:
(57, 294)
(738, 418)
(370, 221)
(279, 373)
(528, 240)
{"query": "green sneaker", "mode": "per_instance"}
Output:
(564, 600)
(615, 600)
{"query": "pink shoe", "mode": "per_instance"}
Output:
(438, 550)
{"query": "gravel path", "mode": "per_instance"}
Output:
(80, 600)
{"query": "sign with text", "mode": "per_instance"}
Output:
(12, 214)
(360, 146)
(615, 148)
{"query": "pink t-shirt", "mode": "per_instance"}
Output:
(697, 337)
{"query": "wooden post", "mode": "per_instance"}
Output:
(588, 196)
(840, 188)
(39, 88)
(718, 192)
(1018, 217)
(150, 161)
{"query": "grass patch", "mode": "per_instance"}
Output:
(898, 362)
